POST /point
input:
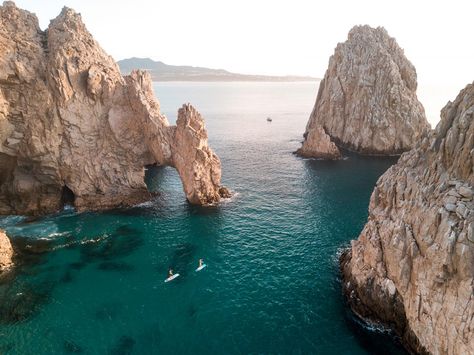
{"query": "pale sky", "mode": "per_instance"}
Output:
(281, 37)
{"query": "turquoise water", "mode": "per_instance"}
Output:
(93, 283)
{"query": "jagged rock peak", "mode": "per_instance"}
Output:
(14, 19)
(413, 264)
(68, 20)
(73, 130)
(367, 100)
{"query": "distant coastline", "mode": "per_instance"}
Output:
(163, 72)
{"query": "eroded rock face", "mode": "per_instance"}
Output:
(204, 172)
(367, 100)
(70, 122)
(6, 252)
(318, 144)
(413, 264)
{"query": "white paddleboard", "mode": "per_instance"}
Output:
(201, 267)
(171, 278)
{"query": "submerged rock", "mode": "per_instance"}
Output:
(413, 264)
(6, 252)
(71, 347)
(74, 131)
(367, 100)
(124, 346)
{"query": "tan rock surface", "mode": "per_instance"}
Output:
(69, 120)
(6, 252)
(318, 144)
(367, 100)
(413, 264)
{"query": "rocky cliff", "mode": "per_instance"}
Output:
(413, 264)
(367, 100)
(72, 129)
(6, 252)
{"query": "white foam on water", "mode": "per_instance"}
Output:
(81, 242)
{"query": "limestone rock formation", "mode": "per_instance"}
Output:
(6, 252)
(318, 144)
(72, 129)
(413, 264)
(367, 100)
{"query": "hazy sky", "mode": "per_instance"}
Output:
(280, 37)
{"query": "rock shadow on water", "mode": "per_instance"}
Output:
(123, 242)
(149, 339)
(108, 311)
(373, 339)
(183, 256)
(115, 266)
(30, 251)
(124, 346)
(67, 277)
(192, 311)
(21, 302)
(28, 287)
(29, 220)
(70, 347)
(77, 265)
(209, 211)
(352, 160)
(6, 348)
(148, 208)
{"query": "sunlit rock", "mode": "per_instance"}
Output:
(73, 130)
(367, 100)
(419, 238)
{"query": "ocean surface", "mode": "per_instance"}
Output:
(93, 283)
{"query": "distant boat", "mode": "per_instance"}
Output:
(269, 119)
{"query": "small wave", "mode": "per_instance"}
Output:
(370, 325)
(80, 242)
(144, 204)
(50, 237)
(343, 248)
(11, 220)
(317, 159)
(230, 199)
(55, 235)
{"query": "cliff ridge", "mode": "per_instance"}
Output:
(72, 126)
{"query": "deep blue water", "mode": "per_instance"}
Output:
(93, 282)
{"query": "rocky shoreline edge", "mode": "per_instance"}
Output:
(377, 304)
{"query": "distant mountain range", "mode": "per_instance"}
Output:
(163, 72)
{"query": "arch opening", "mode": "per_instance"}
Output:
(164, 181)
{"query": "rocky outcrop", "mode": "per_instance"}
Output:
(413, 264)
(193, 158)
(72, 128)
(318, 145)
(6, 252)
(367, 100)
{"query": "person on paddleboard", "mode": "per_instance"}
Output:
(200, 263)
(170, 272)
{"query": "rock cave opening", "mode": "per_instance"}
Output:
(163, 180)
(67, 197)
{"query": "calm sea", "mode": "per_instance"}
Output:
(92, 283)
